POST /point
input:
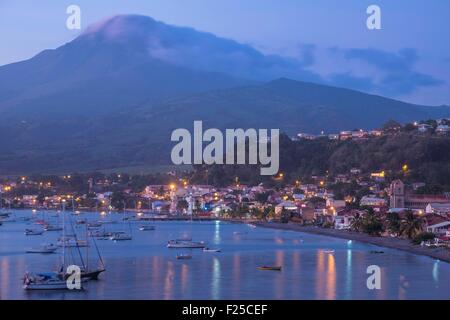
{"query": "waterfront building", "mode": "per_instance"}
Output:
(438, 208)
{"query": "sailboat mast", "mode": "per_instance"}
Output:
(64, 234)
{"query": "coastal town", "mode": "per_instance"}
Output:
(379, 203)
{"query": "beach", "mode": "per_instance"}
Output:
(393, 243)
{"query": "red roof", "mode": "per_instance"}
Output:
(433, 219)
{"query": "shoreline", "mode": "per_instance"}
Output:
(441, 254)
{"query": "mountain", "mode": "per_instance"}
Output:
(111, 97)
(102, 70)
(290, 105)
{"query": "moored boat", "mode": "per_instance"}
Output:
(269, 268)
(50, 227)
(120, 237)
(33, 232)
(45, 281)
(146, 228)
(45, 248)
(69, 242)
(210, 250)
(185, 244)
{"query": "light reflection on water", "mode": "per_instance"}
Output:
(145, 269)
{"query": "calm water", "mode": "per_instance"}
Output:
(144, 268)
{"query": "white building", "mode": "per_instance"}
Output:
(439, 228)
(443, 129)
(335, 203)
(438, 208)
(372, 201)
(286, 205)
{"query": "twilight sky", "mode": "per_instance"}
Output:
(409, 59)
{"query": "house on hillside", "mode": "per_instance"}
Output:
(285, 205)
(442, 209)
(442, 129)
(438, 225)
(372, 201)
(424, 127)
(344, 218)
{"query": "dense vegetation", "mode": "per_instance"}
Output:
(427, 159)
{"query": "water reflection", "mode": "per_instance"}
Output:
(331, 278)
(145, 269)
(436, 273)
(215, 285)
(168, 282)
(217, 238)
(320, 272)
(349, 275)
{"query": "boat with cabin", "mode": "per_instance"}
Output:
(44, 248)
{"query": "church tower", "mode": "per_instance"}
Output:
(397, 192)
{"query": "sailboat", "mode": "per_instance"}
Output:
(187, 242)
(47, 280)
(122, 236)
(44, 281)
(87, 273)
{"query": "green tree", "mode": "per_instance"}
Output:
(411, 225)
(118, 200)
(372, 224)
(182, 205)
(393, 223)
(357, 223)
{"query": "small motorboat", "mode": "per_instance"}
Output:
(238, 233)
(81, 221)
(269, 268)
(329, 251)
(94, 225)
(45, 248)
(72, 242)
(185, 244)
(33, 232)
(376, 251)
(146, 228)
(52, 228)
(120, 237)
(184, 256)
(210, 250)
